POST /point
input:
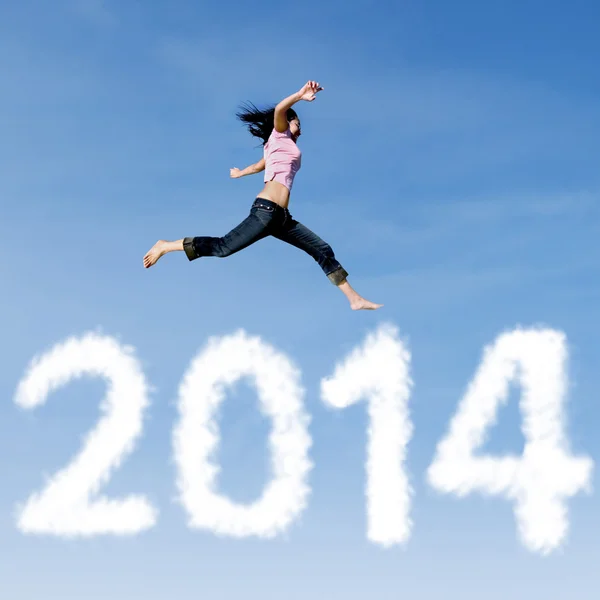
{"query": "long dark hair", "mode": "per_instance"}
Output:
(260, 123)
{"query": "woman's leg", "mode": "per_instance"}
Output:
(159, 249)
(252, 229)
(301, 237)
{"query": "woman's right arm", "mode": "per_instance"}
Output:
(235, 173)
(308, 93)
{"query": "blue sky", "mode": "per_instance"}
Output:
(451, 162)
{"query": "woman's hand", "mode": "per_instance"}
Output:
(309, 91)
(235, 173)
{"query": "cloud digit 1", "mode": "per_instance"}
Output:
(378, 371)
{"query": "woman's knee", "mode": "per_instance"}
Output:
(223, 250)
(326, 250)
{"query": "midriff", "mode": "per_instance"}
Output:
(276, 192)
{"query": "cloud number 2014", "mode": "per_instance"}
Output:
(538, 483)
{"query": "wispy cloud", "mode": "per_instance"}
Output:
(502, 225)
(502, 208)
(96, 12)
(414, 109)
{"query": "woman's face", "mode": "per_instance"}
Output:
(295, 128)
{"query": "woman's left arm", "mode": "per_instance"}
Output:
(307, 92)
(236, 173)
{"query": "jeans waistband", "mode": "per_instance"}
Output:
(268, 203)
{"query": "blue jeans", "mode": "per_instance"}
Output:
(268, 218)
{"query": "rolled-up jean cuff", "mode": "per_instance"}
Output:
(188, 246)
(338, 276)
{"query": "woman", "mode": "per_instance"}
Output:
(279, 129)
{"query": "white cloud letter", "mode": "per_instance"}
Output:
(539, 481)
(195, 437)
(378, 371)
(64, 507)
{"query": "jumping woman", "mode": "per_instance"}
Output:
(279, 129)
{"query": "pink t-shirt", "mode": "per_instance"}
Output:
(282, 158)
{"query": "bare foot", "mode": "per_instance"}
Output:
(362, 304)
(152, 256)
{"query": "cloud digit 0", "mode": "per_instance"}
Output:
(196, 435)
